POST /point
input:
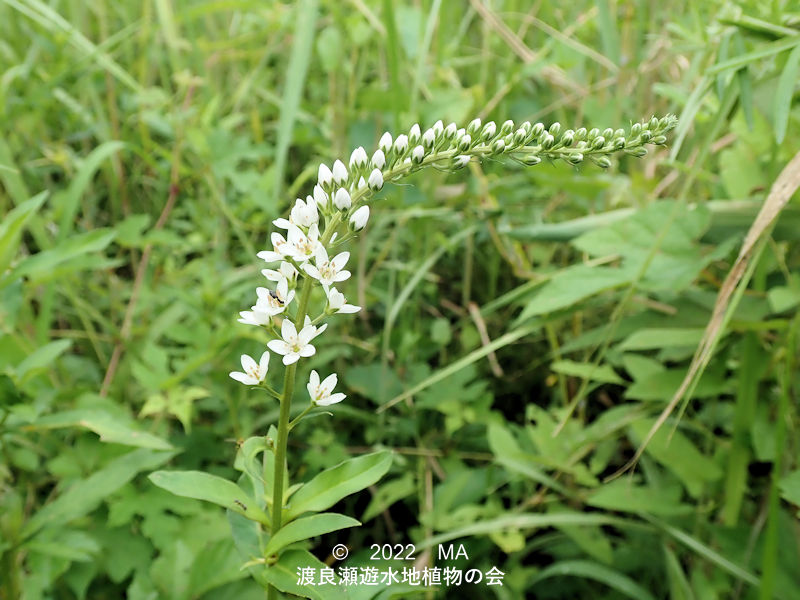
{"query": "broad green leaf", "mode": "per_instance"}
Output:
(675, 452)
(656, 338)
(602, 373)
(203, 486)
(663, 384)
(790, 487)
(597, 572)
(283, 575)
(573, 285)
(389, 493)
(42, 358)
(12, 225)
(83, 496)
(626, 496)
(338, 482)
(110, 428)
(508, 453)
(40, 266)
(306, 528)
(785, 93)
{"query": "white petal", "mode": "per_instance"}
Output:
(242, 378)
(279, 347)
(291, 358)
(263, 364)
(330, 382)
(288, 330)
(307, 350)
(332, 399)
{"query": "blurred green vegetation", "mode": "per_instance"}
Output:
(145, 148)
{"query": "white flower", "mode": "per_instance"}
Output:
(300, 246)
(294, 345)
(273, 303)
(375, 179)
(386, 142)
(328, 271)
(359, 218)
(438, 127)
(450, 130)
(428, 138)
(413, 134)
(339, 172)
(303, 214)
(378, 159)
(254, 373)
(337, 303)
(285, 271)
(254, 317)
(489, 130)
(279, 252)
(321, 392)
(324, 175)
(401, 144)
(342, 199)
(461, 160)
(358, 158)
(417, 154)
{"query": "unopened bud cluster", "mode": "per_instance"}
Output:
(339, 200)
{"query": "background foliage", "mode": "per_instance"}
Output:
(145, 149)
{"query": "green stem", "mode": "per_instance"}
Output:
(286, 403)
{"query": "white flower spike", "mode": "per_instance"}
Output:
(253, 373)
(294, 345)
(321, 393)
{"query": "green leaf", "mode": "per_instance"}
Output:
(338, 482)
(283, 575)
(785, 93)
(42, 358)
(203, 486)
(790, 487)
(12, 225)
(83, 496)
(662, 337)
(602, 373)
(508, 453)
(39, 267)
(591, 570)
(572, 285)
(110, 428)
(306, 528)
(624, 495)
(389, 493)
(675, 452)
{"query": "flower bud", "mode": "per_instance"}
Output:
(619, 143)
(378, 159)
(509, 140)
(639, 151)
(646, 135)
(603, 162)
(498, 146)
(537, 130)
(359, 219)
(568, 137)
(654, 123)
(324, 175)
(580, 134)
(428, 138)
(413, 134)
(507, 127)
(320, 197)
(520, 135)
(554, 129)
(358, 159)
(636, 129)
(460, 161)
(464, 142)
(417, 154)
(342, 199)
(526, 125)
(386, 142)
(608, 133)
(547, 141)
(531, 159)
(593, 133)
(473, 126)
(619, 133)
(575, 158)
(339, 172)
(659, 139)
(375, 180)
(488, 130)
(450, 131)
(599, 142)
(362, 183)
(438, 128)
(401, 144)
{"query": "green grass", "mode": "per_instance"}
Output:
(512, 347)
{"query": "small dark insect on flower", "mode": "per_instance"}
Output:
(275, 296)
